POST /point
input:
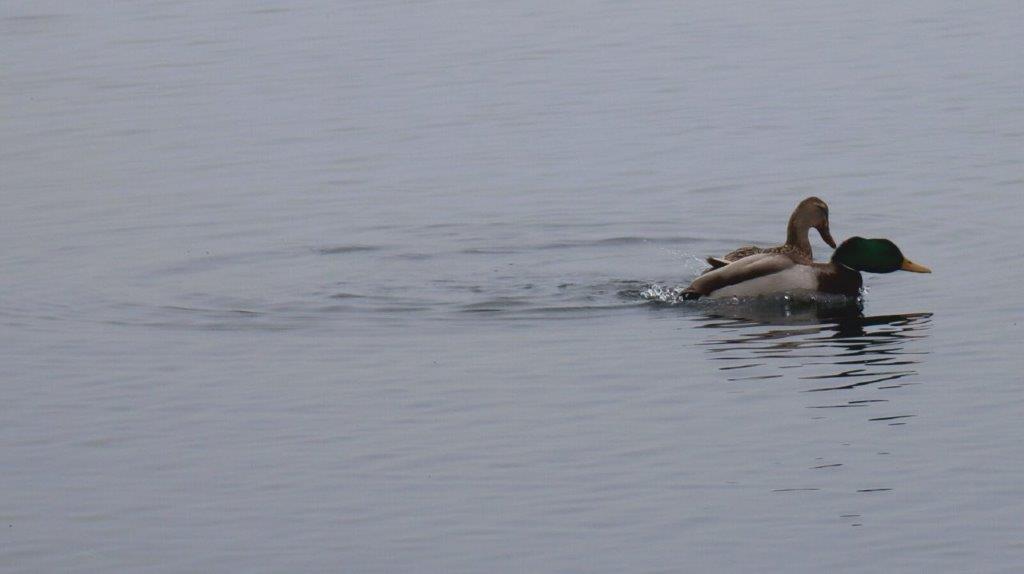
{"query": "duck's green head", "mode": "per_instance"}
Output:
(874, 256)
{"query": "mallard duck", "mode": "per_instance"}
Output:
(768, 273)
(811, 212)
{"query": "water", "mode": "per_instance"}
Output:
(319, 287)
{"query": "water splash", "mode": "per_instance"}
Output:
(662, 294)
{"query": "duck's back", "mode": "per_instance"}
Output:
(794, 252)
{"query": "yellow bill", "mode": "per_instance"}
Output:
(909, 265)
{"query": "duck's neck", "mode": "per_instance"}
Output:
(796, 232)
(839, 279)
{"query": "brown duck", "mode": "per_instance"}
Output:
(811, 212)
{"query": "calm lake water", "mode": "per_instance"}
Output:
(374, 287)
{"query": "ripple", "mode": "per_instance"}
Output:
(496, 305)
(343, 249)
(619, 241)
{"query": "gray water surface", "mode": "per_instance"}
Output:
(373, 287)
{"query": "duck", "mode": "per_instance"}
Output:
(774, 273)
(811, 212)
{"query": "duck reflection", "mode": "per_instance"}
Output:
(843, 364)
(824, 348)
